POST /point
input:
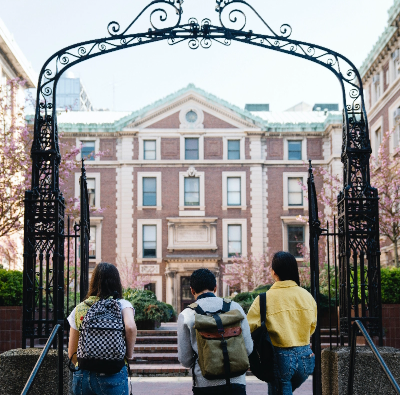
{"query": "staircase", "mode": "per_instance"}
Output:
(156, 353)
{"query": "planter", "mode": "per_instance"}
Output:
(10, 327)
(147, 325)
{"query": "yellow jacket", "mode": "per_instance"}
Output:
(291, 315)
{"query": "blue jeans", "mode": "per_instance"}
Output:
(292, 366)
(91, 383)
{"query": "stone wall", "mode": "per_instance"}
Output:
(10, 327)
(16, 366)
(369, 378)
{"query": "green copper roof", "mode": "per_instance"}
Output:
(107, 121)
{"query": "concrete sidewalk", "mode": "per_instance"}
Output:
(183, 386)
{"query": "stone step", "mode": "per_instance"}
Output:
(157, 340)
(155, 358)
(157, 333)
(156, 348)
(174, 370)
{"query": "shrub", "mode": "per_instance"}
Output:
(390, 285)
(10, 287)
(147, 307)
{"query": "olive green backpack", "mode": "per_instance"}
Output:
(220, 342)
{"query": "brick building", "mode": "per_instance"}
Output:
(192, 180)
(380, 74)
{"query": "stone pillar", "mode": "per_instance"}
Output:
(170, 288)
(369, 377)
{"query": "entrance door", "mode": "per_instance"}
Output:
(186, 296)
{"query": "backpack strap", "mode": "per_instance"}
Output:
(197, 308)
(224, 346)
(226, 305)
(263, 308)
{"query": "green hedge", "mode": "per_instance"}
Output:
(10, 288)
(147, 307)
(390, 280)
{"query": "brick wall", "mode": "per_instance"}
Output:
(108, 146)
(274, 149)
(171, 122)
(170, 148)
(213, 148)
(391, 325)
(212, 122)
(314, 149)
(10, 328)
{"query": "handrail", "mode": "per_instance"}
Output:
(39, 362)
(358, 325)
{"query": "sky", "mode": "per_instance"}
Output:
(129, 79)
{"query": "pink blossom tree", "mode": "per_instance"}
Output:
(247, 272)
(130, 274)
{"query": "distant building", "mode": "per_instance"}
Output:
(192, 180)
(326, 107)
(256, 107)
(71, 94)
(380, 73)
(304, 107)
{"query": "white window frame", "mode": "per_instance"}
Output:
(242, 147)
(97, 222)
(243, 190)
(96, 147)
(182, 176)
(303, 149)
(392, 124)
(141, 147)
(286, 177)
(293, 221)
(157, 280)
(377, 125)
(201, 146)
(232, 221)
(140, 224)
(140, 177)
(97, 177)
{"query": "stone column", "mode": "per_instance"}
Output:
(170, 288)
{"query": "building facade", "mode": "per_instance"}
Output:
(13, 64)
(380, 74)
(191, 181)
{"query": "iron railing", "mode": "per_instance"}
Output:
(57, 330)
(358, 326)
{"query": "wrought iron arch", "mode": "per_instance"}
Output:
(358, 204)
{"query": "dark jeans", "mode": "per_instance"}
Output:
(91, 383)
(292, 366)
(234, 389)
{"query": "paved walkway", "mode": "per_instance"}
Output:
(183, 386)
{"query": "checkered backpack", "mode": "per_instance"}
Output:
(101, 345)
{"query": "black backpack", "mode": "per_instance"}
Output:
(101, 345)
(262, 357)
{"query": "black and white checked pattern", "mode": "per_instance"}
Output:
(102, 333)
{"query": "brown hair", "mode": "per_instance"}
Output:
(105, 282)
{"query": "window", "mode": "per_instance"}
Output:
(295, 240)
(92, 243)
(150, 287)
(295, 191)
(91, 187)
(234, 240)
(149, 241)
(192, 191)
(191, 116)
(149, 147)
(378, 142)
(149, 191)
(294, 150)
(233, 149)
(88, 150)
(234, 191)
(192, 148)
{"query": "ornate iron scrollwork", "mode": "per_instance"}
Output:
(358, 206)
